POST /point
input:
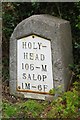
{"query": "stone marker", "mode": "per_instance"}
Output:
(40, 53)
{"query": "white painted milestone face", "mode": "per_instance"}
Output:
(34, 65)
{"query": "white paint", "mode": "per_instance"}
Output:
(34, 64)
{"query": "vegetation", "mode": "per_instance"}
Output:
(31, 108)
(67, 104)
(13, 13)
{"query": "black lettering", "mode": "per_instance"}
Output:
(31, 56)
(44, 67)
(24, 46)
(42, 57)
(22, 86)
(34, 46)
(45, 87)
(44, 77)
(27, 85)
(29, 45)
(34, 77)
(24, 75)
(39, 87)
(31, 67)
(39, 77)
(29, 77)
(26, 66)
(39, 45)
(25, 55)
(36, 57)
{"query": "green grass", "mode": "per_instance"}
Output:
(67, 105)
(23, 109)
(10, 110)
(32, 108)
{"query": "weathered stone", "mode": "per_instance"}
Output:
(58, 32)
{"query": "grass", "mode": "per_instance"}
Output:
(10, 110)
(32, 108)
(67, 105)
(23, 109)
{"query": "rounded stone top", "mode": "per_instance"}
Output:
(41, 24)
(45, 18)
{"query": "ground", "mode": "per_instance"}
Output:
(15, 107)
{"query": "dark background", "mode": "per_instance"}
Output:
(15, 12)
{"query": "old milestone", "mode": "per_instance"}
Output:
(40, 53)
